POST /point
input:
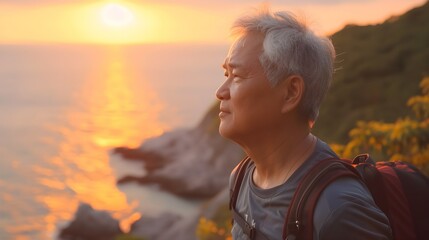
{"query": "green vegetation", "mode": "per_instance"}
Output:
(378, 69)
(406, 139)
(217, 228)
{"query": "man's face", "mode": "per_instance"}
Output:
(250, 106)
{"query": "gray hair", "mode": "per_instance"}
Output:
(290, 48)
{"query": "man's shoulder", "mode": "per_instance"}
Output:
(345, 190)
(346, 208)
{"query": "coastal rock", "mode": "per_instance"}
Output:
(211, 207)
(151, 227)
(171, 226)
(174, 186)
(90, 224)
(164, 226)
(152, 160)
(191, 163)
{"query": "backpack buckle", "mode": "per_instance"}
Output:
(250, 231)
(362, 158)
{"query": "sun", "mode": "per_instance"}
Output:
(116, 15)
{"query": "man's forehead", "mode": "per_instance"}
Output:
(248, 45)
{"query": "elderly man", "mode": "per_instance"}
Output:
(277, 74)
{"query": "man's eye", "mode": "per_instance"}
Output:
(237, 78)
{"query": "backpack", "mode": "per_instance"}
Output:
(399, 189)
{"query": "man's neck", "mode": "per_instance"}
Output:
(277, 160)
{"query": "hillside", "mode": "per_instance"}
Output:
(378, 68)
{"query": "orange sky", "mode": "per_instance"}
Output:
(68, 21)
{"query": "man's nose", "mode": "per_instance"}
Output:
(222, 92)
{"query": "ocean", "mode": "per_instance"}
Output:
(63, 108)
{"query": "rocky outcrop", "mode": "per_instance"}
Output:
(191, 163)
(165, 226)
(90, 224)
(171, 226)
(152, 227)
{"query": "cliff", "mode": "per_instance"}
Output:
(378, 68)
(191, 163)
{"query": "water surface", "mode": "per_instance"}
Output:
(64, 107)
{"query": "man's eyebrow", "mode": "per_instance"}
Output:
(230, 65)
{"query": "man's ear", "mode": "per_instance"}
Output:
(293, 90)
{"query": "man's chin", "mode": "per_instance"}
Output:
(228, 132)
(225, 131)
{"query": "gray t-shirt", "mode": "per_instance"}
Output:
(345, 210)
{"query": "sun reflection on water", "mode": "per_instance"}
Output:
(110, 112)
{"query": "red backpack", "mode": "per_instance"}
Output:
(399, 189)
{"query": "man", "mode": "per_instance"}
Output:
(277, 73)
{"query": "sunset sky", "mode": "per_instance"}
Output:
(155, 21)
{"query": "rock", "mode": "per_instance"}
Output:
(191, 163)
(151, 227)
(152, 160)
(90, 224)
(165, 226)
(174, 186)
(210, 208)
(172, 226)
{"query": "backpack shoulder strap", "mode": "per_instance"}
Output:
(237, 176)
(299, 218)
